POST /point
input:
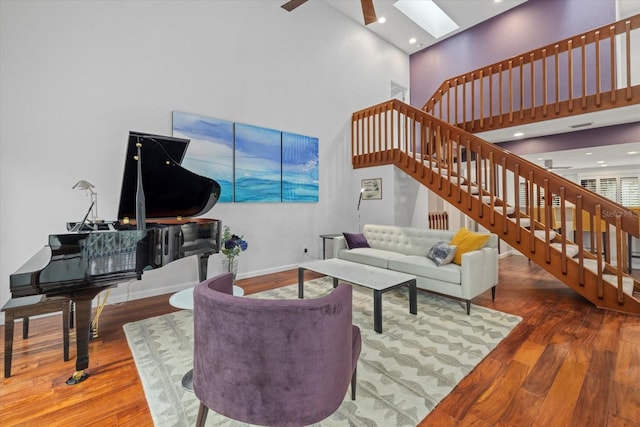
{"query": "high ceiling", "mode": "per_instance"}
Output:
(398, 28)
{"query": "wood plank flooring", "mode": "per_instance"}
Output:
(567, 364)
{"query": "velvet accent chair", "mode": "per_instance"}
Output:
(272, 362)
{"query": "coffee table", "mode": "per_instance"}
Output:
(380, 280)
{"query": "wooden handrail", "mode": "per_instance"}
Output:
(552, 81)
(450, 161)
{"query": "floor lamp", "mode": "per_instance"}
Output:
(358, 209)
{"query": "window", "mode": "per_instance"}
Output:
(609, 188)
(623, 190)
(629, 191)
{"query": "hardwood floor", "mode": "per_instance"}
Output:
(567, 364)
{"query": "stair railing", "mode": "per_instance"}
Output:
(455, 164)
(589, 72)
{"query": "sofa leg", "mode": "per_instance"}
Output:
(468, 307)
(493, 293)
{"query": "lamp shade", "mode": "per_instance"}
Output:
(82, 185)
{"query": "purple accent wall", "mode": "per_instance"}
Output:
(533, 24)
(610, 135)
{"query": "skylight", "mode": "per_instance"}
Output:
(427, 15)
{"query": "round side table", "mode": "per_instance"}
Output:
(184, 299)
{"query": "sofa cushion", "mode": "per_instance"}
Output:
(441, 253)
(369, 256)
(355, 240)
(422, 266)
(467, 241)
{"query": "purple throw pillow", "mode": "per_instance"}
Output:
(355, 240)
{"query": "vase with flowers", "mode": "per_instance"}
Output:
(232, 245)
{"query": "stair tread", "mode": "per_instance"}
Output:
(627, 282)
(571, 250)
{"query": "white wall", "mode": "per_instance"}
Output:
(75, 77)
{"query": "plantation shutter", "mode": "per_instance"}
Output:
(609, 188)
(629, 191)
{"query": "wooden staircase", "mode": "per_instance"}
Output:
(484, 182)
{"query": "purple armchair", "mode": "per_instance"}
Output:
(272, 362)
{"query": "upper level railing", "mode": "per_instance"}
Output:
(593, 71)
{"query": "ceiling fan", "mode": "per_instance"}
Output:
(368, 10)
(548, 165)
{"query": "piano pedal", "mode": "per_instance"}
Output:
(77, 377)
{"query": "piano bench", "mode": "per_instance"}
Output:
(23, 308)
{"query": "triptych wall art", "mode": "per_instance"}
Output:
(251, 164)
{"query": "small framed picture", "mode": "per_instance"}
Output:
(372, 188)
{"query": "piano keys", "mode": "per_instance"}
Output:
(80, 265)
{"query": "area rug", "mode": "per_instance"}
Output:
(403, 373)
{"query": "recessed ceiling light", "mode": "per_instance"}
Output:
(412, 40)
(588, 154)
(600, 161)
(518, 134)
(382, 20)
(427, 15)
(540, 158)
(632, 152)
(603, 166)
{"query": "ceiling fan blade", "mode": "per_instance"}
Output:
(368, 11)
(292, 4)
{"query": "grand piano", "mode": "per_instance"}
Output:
(154, 227)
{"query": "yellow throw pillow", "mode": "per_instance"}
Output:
(467, 241)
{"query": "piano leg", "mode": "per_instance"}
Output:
(82, 301)
(203, 261)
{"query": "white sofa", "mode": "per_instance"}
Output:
(404, 249)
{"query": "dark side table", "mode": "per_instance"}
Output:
(324, 238)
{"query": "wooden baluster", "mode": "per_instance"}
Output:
(532, 223)
(439, 155)
(563, 227)
(592, 242)
(391, 128)
(533, 87)
(492, 194)
(547, 217)
(570, 71)
(448, 102)
(456, 101)
(544, 82)
(414, 141)
(500, 94)
(424, 151)
(557, 74)
(620, 256)
(490, 96)
(599, 249)
(449, 160)
(584, 71)
(354, 136)
(510, 91)
(612, 56)
(464, 102)
(597, 35)
(459, 171)
(407, 147)
(473, 100)
(469, 180)
(521, 88)
(516, 190)
(579, 239)
(479, 179)
(504, 195)
(627, 30)
(440, 105)
(481, 100)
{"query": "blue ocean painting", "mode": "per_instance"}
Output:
(210, 152)
(258, 164)
(299, 168)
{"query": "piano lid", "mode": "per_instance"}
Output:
(170, 190)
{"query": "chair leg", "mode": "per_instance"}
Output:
(353, 384)
(468, 307)
(493, 293)
(202, 415)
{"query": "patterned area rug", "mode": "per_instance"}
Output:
(403, 373)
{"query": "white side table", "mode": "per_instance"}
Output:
(184, 299)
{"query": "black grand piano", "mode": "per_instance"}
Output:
(154, 228)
